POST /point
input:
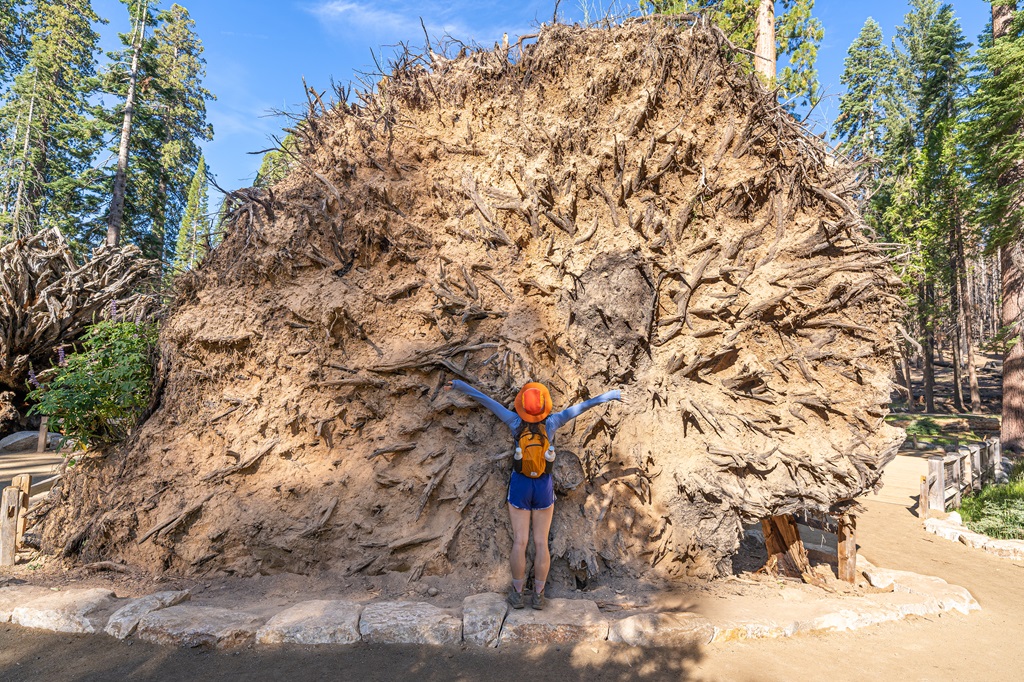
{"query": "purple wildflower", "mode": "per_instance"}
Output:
(113, 310)
(32, 379)
(61, 360)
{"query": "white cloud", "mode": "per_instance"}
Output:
(340, 14)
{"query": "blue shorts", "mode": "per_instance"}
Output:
(531, 494)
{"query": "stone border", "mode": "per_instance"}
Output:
(952, 528)
(484, 620)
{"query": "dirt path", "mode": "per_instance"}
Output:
(982, 646)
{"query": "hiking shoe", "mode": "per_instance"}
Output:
(515, 599)
(538, 600)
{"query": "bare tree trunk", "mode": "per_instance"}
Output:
(764, 41)
(958, 393)
(907, 379)
(15, 231)
(967, 314)
(928, 347)
(121, 174)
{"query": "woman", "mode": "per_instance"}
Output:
(531, 491)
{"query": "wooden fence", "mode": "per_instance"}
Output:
(966, 469)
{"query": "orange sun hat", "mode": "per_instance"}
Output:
(533, 403)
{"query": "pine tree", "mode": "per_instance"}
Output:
(869, 80)
(47, 177)
(995, 134)
(168, 121)
(797, 35)
(13, 37)
(194, 233)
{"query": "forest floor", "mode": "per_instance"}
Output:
(981, 646)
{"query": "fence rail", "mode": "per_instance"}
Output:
(966, 469)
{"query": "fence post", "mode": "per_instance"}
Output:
(936, 483)
(24, 483)
(10, 505)
(958, 479)
(44, 429)
(997, 461)
(922, 500)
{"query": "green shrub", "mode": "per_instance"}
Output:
(99, 393)
(998, 510)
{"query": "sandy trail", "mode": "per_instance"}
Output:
(982, 646)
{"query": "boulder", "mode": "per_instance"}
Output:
(482, 616)
(124, 621)
(409, 623)
(313, 622)
(188, 625)
(14, 596)
(560, 622)
(66, 611)
(662, 629)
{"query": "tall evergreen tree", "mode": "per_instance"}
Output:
(797, 34)
(13, 37)
(48, 179)
(869, 80)
(194, 233)
(169, 120)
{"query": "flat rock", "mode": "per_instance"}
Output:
(857, 613)
(124, 621)
(947, 597)
(409, 623)
(1005, 549)
(66, 611)
(319, 621)
(188, 625)
(737, 630)
(562, 621)
(482, 616)
(16, 595)
(662, 629)
(26, 440)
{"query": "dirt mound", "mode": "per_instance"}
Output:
(606, 208)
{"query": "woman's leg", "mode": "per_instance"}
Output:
(520, 538)
(542, 557)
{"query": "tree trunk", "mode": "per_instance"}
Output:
(764, 41)
(15, 233)
(928, 347)
(1012, 431)
(907, 379)
(958, 393)
(121, 174)
(966, 313)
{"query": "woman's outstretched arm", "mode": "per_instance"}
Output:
(510, 418)
(561, 418)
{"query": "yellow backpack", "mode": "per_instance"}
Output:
(534, 454)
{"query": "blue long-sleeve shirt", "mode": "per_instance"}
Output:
(551, 424)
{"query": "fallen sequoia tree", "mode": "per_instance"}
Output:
(47, 299)
(605, 208)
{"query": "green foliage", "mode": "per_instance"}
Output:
(993, 134)
(13, 39)
(868, 73)
(998, 510)
(276, 163)
(194, 233)
(170, 119)
(99, 393)
(797, 35)
(46, 174)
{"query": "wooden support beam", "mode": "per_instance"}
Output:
(44, 430)
(958, 480)
(848, 548)
(24, 483)
(786, 553)
(10, 504)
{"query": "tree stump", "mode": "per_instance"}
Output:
(786, 553)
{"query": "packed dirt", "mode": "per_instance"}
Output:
(981, 646)
(605, 208)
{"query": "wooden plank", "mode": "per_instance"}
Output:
(848, 548)
(936, 484)
(44, 429)
(10, 504)
(24, 483)
(958, 481)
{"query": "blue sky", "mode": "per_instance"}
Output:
(258, 51)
